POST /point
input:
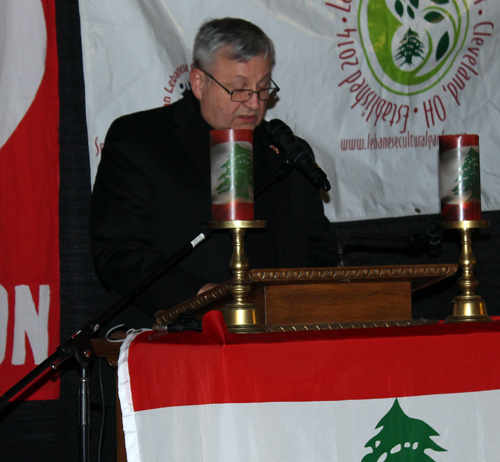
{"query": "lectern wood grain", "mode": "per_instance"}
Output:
(327, 303)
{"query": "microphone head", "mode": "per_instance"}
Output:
(280, 133)
(298, 152)
(272, 125)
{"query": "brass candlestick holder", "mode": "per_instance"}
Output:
(240, 316)
(467, 307)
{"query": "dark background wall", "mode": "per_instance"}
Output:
(47, 430)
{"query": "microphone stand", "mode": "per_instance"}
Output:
(279, 174)
(79, 346)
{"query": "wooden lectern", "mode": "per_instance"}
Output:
(321, 297)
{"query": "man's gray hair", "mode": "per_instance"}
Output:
(242, 39)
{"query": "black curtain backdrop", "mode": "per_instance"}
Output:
(48, 430)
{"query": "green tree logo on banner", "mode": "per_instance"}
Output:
(411, 44)
(411, 47)
(238, 174)
(469, 180)
(402, 438)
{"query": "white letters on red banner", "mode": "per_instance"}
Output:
(29, 193)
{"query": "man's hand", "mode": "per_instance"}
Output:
(206, 287)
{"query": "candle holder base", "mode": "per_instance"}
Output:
(240, 316)
(468, 307)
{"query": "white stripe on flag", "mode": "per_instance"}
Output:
(467, 425)
(126, 404)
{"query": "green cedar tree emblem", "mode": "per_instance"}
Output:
(430, 15)
(241, 163)
(469, 179)
(402, 438)
(411, 47)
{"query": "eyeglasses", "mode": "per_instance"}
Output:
(241, 96)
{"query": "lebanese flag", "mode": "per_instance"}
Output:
(407, 393)
(29, 193)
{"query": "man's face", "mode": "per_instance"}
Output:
(216, 106)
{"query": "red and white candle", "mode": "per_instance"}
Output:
(459, 178)
(231, 157)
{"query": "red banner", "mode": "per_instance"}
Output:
(29, 193)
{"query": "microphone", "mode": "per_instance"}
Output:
(185, 321)
(430, 240)
(298, 152)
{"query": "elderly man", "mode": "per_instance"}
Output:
(152, 190)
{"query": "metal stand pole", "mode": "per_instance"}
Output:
(84, 414)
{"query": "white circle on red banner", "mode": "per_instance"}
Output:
(23, 45)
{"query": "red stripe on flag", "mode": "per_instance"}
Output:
(191, 368)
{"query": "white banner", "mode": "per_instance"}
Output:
(369, 83)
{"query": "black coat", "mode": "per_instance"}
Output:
(152, 194)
